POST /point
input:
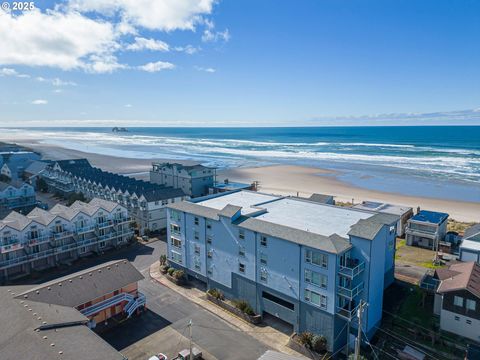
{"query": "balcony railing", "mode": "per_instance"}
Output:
(32, 241)
(11, 247)
(85, 229)
(350, 293)
(352, 268)
(63, 234)
(104, 224)
(413, 231)
(347, 313)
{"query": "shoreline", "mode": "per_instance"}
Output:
(277, 179)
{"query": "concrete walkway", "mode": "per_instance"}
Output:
(264, 333)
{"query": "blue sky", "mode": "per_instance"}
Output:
(233, 63)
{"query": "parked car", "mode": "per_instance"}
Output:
(160, 356)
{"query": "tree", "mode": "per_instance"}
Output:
(74, 197)
(42, 185)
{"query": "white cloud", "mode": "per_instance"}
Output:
(148, 44)
(166, 15)
(56, 81)
(12, 72)
(189, 49)
(211, 35)
(39, 102)
(156, 66)
(208, 69)
(63, 40)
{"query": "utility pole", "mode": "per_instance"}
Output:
(190, 356)
(358, 341)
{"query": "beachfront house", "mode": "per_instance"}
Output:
(44, 239)
(16, 196)
(426, 229)
(145, 201)
(470, 246)
(403, 212)
(194, 180)
(14, 161)
(305, 263)
(457, 299)
(53, 320)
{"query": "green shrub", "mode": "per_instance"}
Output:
(178, 274)
(243, 306)
(217, 294)
(306, 338)
(319, 344)
(163, 259)
(171, 271)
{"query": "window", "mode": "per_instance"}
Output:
(82, 250)
(210, 271)
(457, 318)
(241, 268)
(316, 258)
(196, 221)
(175, 228)
(177, 257)
(176, 242)
(209, 225)
(469, 322)
(471, 304)
(196, 235)
(458, 301)
(157, 203)
(315, 278)
(316, 298)
(197, 249)
(241, 251)
(263, 241)
(164, 202)
(263, 259)
(209, 254)
(102, 244)
(197, 264)
(209, 239)
(241, 234)
(263, 275)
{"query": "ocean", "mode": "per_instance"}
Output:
(432, 161)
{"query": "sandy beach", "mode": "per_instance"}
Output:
(277, 179)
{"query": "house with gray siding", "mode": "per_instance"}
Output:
(457, 299)
(426, 229)
(194, 180)
(470, 245)
(145, 201)
(13, 161)
(16, 196)
(306, 263)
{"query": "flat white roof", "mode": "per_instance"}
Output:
(383, 208)
(471, 245)
(245, 199)
(313, 217)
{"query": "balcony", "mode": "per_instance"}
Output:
(348, 313)
(350, 293)
(32, 241)
(121, 221)
(429, 283)
(104, 224)
(85, 229)
(352, 268)
(13, 246)
(63, 235)
(423, 233)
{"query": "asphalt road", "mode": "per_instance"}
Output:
(166, 308)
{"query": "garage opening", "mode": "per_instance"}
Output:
(277, 323)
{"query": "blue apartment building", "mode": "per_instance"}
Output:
(306, 263)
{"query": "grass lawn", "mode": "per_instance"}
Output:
(413, 311)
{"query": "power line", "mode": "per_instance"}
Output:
(368, 342)
(409, 342)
